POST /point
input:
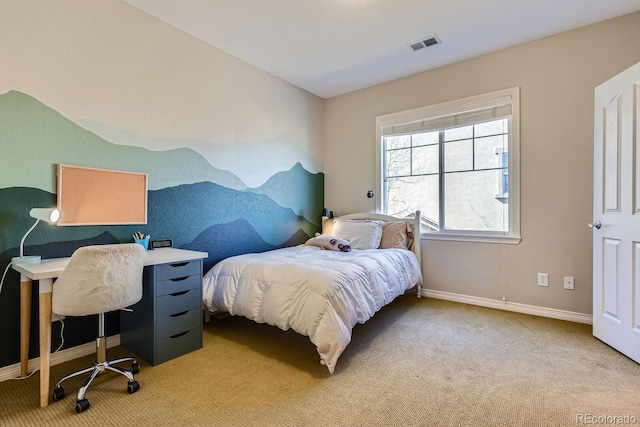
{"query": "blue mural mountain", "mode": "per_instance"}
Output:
(225, 240)
(179, 213)
(228, 239)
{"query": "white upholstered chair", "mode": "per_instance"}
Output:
(99, 279)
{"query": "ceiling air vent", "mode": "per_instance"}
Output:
(426, 42)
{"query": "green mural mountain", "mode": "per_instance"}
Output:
(35, 137)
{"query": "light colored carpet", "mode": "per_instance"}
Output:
(417, 362)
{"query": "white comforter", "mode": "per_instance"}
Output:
(317, 293)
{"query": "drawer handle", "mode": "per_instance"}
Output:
(177, 294)
(180, 279)
(179, 314)
(179, 264)
(179, 335)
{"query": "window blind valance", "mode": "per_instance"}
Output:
(484, 114)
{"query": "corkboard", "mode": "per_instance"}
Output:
(90, 196)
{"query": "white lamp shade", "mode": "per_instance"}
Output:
(51, 215)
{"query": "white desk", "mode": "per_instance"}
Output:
(45, 272)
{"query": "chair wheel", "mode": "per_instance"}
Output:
(58, 394)
(135, 368)
(133, 386)
(82, 405)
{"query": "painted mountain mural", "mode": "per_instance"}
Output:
(36, 135)
(198, 206)
(46, 138)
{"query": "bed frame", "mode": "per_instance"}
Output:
(415, 248)
(413, 222)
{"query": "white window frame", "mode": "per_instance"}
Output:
(450, 108)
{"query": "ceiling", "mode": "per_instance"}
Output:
(331, 47)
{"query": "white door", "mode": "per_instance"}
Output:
(616, 213)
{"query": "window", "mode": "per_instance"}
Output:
(456, 162)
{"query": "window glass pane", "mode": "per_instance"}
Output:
(427, 138)
(458, 133)
(458, 156)
(495, 127)
(488, 151)
(505, 182)
(425, 160)
(397, 141)
(398, 162)
(406, 195)
(470, 202)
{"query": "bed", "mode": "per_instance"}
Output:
(321, 289)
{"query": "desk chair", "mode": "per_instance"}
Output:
(99, 279)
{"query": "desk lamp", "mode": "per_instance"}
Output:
(51, 215)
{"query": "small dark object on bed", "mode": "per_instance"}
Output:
(342, 246)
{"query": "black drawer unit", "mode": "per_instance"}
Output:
(167, 321)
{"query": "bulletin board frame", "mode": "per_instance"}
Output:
(93, 196)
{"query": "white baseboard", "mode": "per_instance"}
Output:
(511, 306)
(13, 371)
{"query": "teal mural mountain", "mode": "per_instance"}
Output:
(36, 138)
(298, 190)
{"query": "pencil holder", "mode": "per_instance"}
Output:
(144, 243)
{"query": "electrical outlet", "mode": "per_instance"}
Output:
(569, 283)
(543, 279)
(55, 317)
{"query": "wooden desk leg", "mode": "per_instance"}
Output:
(26, 286)
(45, 339)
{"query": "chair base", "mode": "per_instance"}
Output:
(97, 368)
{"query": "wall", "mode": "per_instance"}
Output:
(557, 76)
(234, 155)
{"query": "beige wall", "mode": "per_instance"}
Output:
(557, 77)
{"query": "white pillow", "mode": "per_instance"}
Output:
(363, 234)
